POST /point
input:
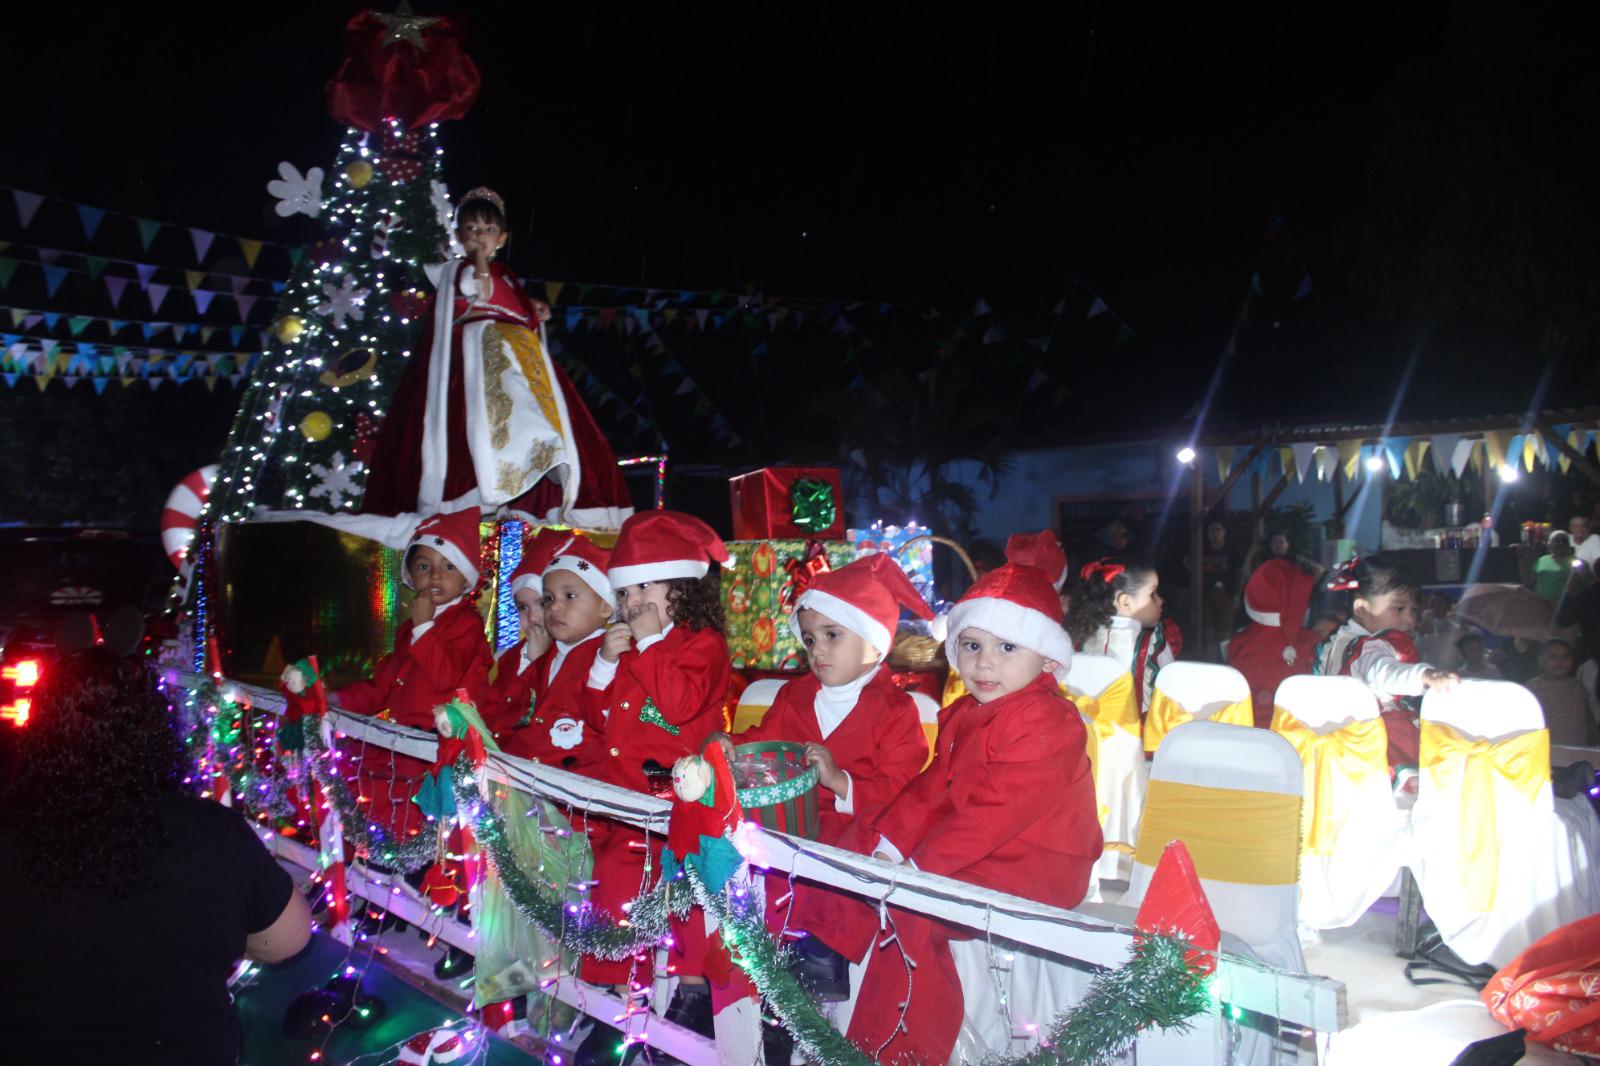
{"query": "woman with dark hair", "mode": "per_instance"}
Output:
(127, 901)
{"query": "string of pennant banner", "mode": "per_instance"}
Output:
(1406, 457)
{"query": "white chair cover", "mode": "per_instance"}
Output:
(754, 701)
(1196, 692)
(1120, 769)
(1534, 870)
(1216, 756)
(1342, 877)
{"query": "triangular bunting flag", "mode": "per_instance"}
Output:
(147, 231)
(100, 384)
(1463, 454)
(96, 265)
(238, 283)
(1444, 451)
(53, 277)
(250, 250)
(157, 294)
(1349, 458)
(145, 271)
(1224, 462)
(245, 302)
(202, 243)
(194, 278)
(8, 267)
(552, 291)
(1325, 465)
(980, 308)
(202, 299)
(91, 218)
(51, 318)
(1302, 459)
(1414, 455)
(1394, 450)
(1572, 442)
(1532, 449)
(77, 324)
(1286, 458)
(1097, 307)
(1499, 443)
(27, 205)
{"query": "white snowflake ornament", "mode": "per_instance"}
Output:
(343, 301)
(337, 480)
(297, 195)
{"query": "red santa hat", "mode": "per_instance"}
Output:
(536, 555)
(589, 561)
(453, 535)
(865, 597)
(1041, 550)
(1017, 604)
(662, 545)
(1278, 593)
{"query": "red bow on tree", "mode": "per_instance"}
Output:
(400, 66)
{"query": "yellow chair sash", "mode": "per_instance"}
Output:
(1113, 709)
(1166, 714)
(1357, 751)
(1449, 759)
(1235, 835)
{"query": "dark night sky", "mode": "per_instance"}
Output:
(1436, 169)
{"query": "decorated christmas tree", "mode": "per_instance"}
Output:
(347, 320)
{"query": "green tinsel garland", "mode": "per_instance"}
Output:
(407, 856)
(578, 928)
(1156, 988)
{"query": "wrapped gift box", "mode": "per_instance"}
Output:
(758, 592)
(784, 502)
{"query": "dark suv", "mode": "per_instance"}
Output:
(52, 575)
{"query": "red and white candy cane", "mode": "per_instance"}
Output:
(182, 514)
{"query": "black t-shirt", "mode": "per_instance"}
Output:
(144, 979)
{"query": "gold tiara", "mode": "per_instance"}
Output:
(482, 192)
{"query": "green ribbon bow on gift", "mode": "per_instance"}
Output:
(812, 505)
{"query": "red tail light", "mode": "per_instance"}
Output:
(23, 675)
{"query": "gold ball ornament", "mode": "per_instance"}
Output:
(358, 173)
(288, 328)
(316, 425)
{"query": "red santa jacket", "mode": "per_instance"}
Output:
(661, 705)
(880, 744)
(418, 676)
(1009, 800)
(556, 731)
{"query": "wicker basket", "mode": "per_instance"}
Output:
(776, 787)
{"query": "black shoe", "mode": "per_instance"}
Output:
(601, 1048)
(776, 1043)
(455, 963)
(370, 921)
(691, 1008)
(821, 969)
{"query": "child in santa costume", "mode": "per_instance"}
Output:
(1008, 804)
(862, 734)
(1116, 611)
(1041, 550)
(1376, 646)
(482, 416)
(1276, 645)
(439, 649)
(655, 692)
(511, 682)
